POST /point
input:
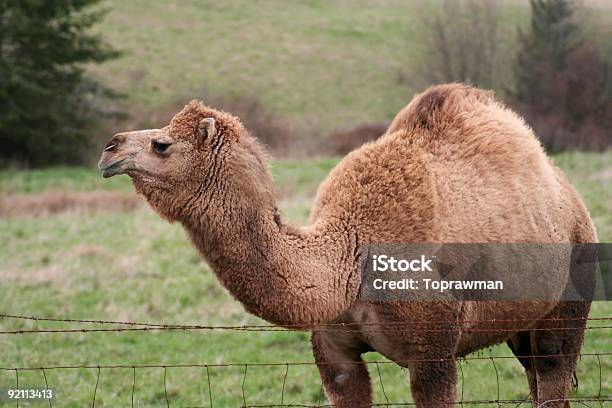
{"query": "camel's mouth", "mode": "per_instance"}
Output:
(112, 169)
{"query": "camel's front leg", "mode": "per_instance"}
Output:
(343, 372)
(433, 383)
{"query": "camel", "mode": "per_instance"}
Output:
(455, 165)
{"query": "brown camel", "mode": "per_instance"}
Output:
(454, 166)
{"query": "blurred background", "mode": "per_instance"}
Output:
(312, 80)
(310, 77)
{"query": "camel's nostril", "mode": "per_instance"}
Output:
(114, 142)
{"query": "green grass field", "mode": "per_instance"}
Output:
(319, 65)
(135, 266)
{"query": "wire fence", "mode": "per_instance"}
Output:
(596, 323)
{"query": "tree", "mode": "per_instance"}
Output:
(543, 52)
(563, 85)
(45, 98)
(461, 43)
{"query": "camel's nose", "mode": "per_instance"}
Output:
(111, 162)
(114, 142)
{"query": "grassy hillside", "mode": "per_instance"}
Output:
(322, 65)
(135, 266)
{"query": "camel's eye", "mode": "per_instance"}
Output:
(160, 147)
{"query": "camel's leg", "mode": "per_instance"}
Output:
(433, 383)
(550, 378)
(520, 344)
(348, 384)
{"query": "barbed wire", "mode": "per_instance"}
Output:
(415, 326)
(279, 329)
(132, 323)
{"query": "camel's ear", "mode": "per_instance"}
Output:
(206, 129)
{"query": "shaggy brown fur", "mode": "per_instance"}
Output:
(454, 166)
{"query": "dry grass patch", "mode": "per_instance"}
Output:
(54, 202)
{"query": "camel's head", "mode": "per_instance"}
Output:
(202, 152)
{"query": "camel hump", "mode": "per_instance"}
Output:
(440, 106)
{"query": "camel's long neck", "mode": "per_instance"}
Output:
(284, 275)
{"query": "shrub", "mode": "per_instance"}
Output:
(342, 142)
(461, 44)
(274, 132)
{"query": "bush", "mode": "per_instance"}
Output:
(461, 44)
(275, 133)
(45, 100)
(342, 142)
